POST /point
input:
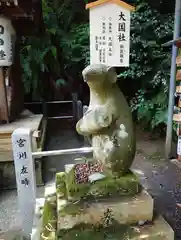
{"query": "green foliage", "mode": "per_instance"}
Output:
(62, 48)
(150, 64)
(76, 47)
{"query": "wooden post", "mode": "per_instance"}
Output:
(178, 115)
(15, 78)
(74, 105)
(179, 143)
(25, 177)
(4, 113)
(168, 142)
(79, 110)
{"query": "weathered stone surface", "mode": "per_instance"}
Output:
(125, 210)
(108, 121)
(49, 216)
(160, 230)
(127, 185)
(38, 220)
(49, 222)
(61, 185)
(50, 194)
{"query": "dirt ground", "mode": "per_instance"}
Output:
(160, 177)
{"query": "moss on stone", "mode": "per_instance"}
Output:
(127, 185)
(49, 221)
(74, 190)
(72, 209)
(88, 232)
(61, 184)
(114, 232)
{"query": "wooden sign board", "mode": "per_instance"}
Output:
(177, 117)
(110, 32)
(7, 42)
(178, 76)
(179, 148)
(178, 61)
(178, 89)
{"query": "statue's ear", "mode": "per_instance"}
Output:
(111, 74)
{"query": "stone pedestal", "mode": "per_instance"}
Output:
(125, 210)
(158, 230)
(70, 215)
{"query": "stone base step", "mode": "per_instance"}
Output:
(124, 210)
(124, 218)
(159, 230)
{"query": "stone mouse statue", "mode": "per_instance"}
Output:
(108, 121)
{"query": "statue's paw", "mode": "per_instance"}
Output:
(121, 133)
(82, 127)
(78, 127)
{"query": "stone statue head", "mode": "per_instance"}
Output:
(99, 74)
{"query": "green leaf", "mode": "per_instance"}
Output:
(52, 30)
(54, 51)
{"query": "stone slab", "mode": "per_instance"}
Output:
(159, 230)
(124, 210)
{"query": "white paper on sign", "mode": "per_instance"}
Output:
(179, 146)
(110, 35)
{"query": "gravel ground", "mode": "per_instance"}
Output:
(9, 215)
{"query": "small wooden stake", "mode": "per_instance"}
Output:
(178, 61)
(4, 114)
(178, 76)
(178, 89)
(177, 117)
